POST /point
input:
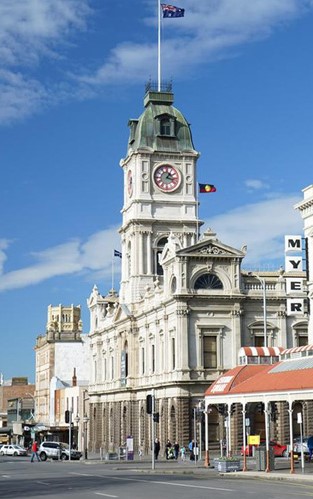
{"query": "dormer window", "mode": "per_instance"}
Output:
(166, 126)
(133, 126)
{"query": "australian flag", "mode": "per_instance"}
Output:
(117, 253)
(172, 11)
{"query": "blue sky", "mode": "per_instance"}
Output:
(72, 73)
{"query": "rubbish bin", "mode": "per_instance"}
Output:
(260, 455)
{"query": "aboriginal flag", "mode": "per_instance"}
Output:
(207, 188)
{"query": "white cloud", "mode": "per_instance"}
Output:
(30, 31)
(255, 184)
(4, 244)
(207, 32)
(70, 258)
(30, 28)
(262, 227)
(253, 225)
(36, 31)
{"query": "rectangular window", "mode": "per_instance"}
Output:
(209, 352)
(153, 358)
(112, 367)
(302, 340)
(173, 354)
(259, 341)
(143, 367)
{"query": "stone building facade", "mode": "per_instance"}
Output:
(60, 353)
(185, 304)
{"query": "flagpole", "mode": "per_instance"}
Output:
(159, 46)
(197, 211)
(113, 269)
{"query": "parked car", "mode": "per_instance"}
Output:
(57, 450)
(297, 445)
(279, 449)
(13, 450)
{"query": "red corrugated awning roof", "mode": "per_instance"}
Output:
(260, 351)
(282, 376)
(234, 377)
(305, 348)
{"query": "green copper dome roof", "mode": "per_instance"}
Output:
(161, 127)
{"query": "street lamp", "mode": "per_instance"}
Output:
(85, 421)
(262, 281)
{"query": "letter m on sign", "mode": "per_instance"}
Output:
(293, 243)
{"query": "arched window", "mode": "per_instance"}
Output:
(208, 281)
(158, 269)
(126, 358)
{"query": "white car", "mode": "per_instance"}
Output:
(297, 445)
(13, 450)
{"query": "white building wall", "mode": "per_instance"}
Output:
(73, 355)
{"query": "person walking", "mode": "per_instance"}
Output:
(176, 450)
(183, 453)
(191, 450)
(156, 449)
(168, 449)
(310, 447)
(34, 452)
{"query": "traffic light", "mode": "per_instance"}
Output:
(149, 403)
(67, 416)
(156, 417)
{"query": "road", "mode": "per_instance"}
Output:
(19, 479)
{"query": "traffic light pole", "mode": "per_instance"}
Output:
(70, 434)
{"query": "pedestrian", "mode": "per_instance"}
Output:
(183, 453)
(176, 450)
(191, 450)
(156, 449)
(34, 452)
(167, 449)
(310, 446)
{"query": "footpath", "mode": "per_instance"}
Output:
(281, 469)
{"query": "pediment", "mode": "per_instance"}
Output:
(211, 247)
(164, 115)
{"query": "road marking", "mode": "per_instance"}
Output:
(102, 494)
(6, 476)
(81, 474)
(43, 483)
(167, 483)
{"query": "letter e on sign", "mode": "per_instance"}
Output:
(293, 285)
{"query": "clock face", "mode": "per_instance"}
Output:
(167, 178)
(130, 183)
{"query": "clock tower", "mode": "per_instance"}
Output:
(160, 192)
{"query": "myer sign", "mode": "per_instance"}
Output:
(294, 285)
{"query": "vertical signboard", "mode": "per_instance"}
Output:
(294, 263)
